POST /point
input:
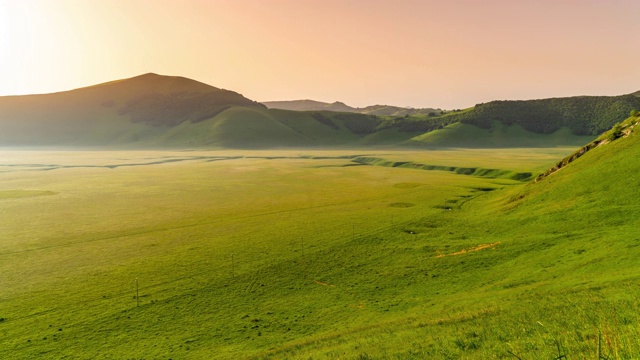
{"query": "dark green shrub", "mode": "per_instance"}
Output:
(615, 133)
(325, 120)
(359, 123)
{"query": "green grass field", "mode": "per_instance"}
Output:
(310, 255)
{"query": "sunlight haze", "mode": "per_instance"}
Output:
(449, 55)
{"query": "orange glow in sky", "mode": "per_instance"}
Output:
(421, 53)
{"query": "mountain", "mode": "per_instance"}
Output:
(108, 113)
(308, 105)
(380, 110)
(151, 111)
(388, 110)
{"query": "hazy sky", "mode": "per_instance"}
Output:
(421, 53)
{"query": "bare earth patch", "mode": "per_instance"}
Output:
(473, 249)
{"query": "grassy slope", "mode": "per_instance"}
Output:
(386, 137)
(248, 128)
(584, 115)
(575, 232)
(320, 134)
(499, 135)
(234, 128)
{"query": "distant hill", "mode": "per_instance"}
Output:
(101, 114)
(584, 115)
(308, 105)
(155, 111)
(165, 111)
(381, 110)
(499, 135)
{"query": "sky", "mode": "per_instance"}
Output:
(419, 53)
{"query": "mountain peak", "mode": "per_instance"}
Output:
(152, 82)
(150, 99)
(167, 83)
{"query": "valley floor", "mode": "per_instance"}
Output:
(310, 254)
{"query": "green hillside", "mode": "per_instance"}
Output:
(584, 115)
(497, 136)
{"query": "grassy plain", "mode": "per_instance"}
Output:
(306, 254)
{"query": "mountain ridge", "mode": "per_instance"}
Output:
(380, 110)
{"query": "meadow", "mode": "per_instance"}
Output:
(307, 254)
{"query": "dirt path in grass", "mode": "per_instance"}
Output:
(473, 249)
(323, 284)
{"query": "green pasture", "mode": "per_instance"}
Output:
(308, 254)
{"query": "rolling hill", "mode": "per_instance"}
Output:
(155, 111)
(583, 115)
(498, 135)
(308, 105)
(380, 110)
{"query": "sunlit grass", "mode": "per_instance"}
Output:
(298, 254)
